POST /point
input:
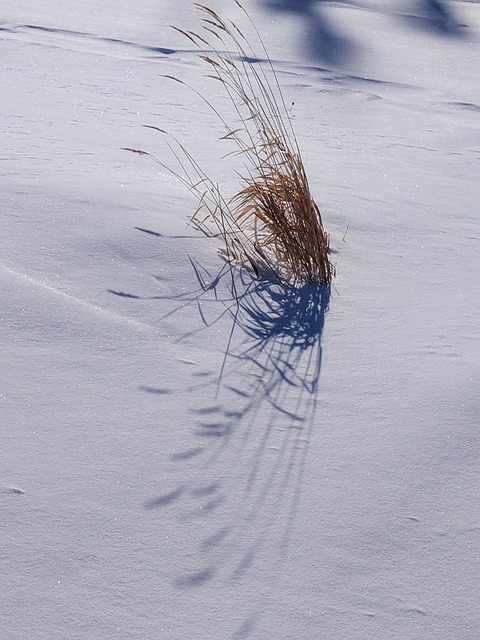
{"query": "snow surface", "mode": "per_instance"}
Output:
(305, 469)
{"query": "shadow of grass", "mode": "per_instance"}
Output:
(242, 475)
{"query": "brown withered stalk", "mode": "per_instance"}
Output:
(272, 223)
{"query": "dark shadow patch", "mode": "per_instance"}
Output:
(164, 500)
(247, 626)
(215, 539)
(244, 564)
(469, 106)
(15, 491)
(208, 410)
(123, 294)
(323, 40)
(186, 455)
(206, 491)
(215, 429)
(434, 16)
(156, 390)
(150, 232)
(196, 579)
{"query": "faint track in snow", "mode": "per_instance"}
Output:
(71, 34)
(89, 36)
(46, 286)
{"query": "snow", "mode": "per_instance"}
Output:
(304, 468)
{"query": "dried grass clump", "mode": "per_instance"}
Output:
(273, 222)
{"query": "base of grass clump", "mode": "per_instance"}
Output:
(272, 223)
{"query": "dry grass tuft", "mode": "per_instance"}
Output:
(273, 222)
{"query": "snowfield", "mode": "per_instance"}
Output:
(304, 465)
